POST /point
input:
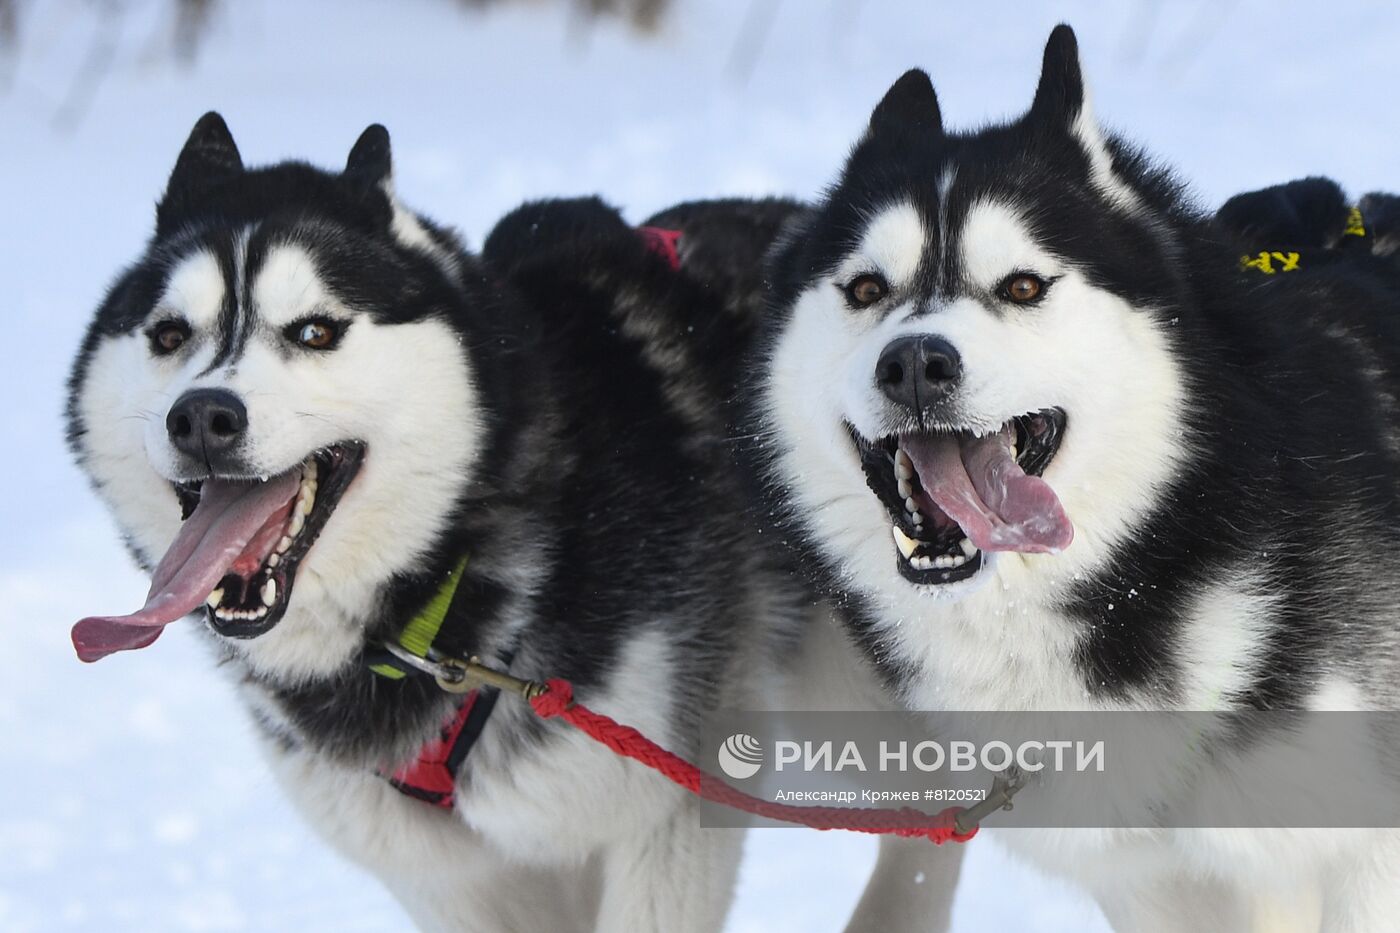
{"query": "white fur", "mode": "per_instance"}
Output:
(893, 245)
(408, 229)
(1086, 129)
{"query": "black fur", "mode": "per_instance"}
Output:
(1310, 213)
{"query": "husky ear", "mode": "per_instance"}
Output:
(1060, 95)
(909, 104)
(369, 164)
(210, 155)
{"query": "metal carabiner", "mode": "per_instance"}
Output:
(1004, 786)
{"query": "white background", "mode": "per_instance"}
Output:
(130, 795)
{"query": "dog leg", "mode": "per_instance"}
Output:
(680, 879)
(911, 889)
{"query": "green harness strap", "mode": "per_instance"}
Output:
(417, 637)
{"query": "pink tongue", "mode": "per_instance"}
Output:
(211, 541)
(979, 486)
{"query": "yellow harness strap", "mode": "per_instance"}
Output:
(418, 635)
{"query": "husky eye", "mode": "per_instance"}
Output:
(316, 333)
(1022, 287)
(168, 336)
(864, 290)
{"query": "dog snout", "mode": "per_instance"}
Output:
(918, 370)
(207, 425)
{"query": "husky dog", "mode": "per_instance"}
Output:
(319, 421)
(1052, 449)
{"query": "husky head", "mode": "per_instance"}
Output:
(977, 327)
(275, 402)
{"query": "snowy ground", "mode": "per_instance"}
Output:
(131, 797)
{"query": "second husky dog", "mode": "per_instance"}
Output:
(1053, 450)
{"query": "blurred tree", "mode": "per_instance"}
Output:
(9, 23)
(191, 22)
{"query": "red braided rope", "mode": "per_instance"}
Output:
(558, 702)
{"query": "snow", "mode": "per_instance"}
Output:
(132, 795)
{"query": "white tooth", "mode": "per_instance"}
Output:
(941, 561)
(274, 559)
(918, 519)
(304, 505)
(906, 544)
(269, 592)
(957, 560)
(910, 504)
(298, 522)
(922, 563)
(967, 546)
(285, 543)
(258, 613)
(903, 467)
(905, 489)
(310, 471)
(215, 598)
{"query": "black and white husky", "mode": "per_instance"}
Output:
(1054, 450)
(313, 415)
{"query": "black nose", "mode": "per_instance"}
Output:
(917, 371)
(207, 424)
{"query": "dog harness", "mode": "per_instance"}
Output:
(1272, 262)
(664, 243)
(432, 775)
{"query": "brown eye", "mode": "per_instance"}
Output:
(867, 289)
(168, 337)
(1022, 287)
(316, 334)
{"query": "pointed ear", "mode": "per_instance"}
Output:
(369, 164)
(909, 104)
(210, 155)
(1060, 95)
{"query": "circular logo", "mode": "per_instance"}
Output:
(740, 756)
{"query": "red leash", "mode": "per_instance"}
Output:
(557, 702)
(554, 699)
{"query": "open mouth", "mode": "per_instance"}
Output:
(236, 554)
(954, 496)
(252, 596)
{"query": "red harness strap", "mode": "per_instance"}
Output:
(663, 243)
(432, 776)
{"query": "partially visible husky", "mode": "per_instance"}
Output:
(324, 427)
(1054, 450)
